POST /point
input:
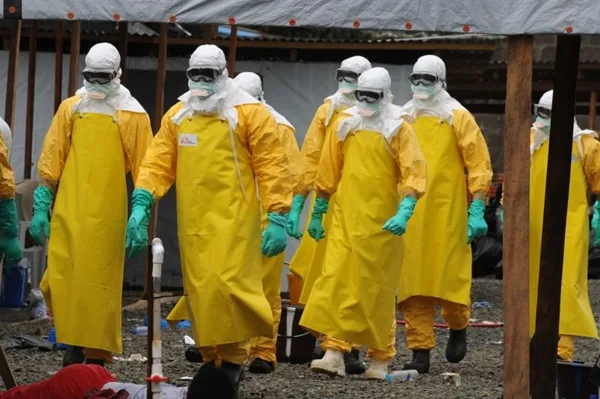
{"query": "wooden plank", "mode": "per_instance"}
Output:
(516, 217)
(74, 58)
(593, 109)
(30, 99)
(58, 65)
(5, 372)
(233, 42)
(545, 339)
(13, 75)
(161, 76)
(123, 42)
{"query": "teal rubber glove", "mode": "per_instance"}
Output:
(292, 226)
(274, 240)
(137, 226)
(42, 198)
(596, 224)
(397, 223)
(477, 226)
(10, 247)
(315, 227)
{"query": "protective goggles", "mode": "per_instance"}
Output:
(542, 112)
(423, 79)
(368, 96)
(203, 74)
(100, 78)
(346, 75)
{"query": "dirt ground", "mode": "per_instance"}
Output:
(481, 371)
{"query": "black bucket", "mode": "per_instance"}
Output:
(573, 381)
(295, 345)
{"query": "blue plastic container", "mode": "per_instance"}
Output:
(12, 292)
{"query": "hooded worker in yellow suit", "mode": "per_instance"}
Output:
(10, 247)
(216, 143)
(576, 317)
(437, 261)
(363, 161)
(308, 260)
(95, 138)
(262, 351)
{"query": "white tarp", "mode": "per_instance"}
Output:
(507, 17)
(294, 89)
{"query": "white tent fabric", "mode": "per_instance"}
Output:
(294, 89)
(508, 17)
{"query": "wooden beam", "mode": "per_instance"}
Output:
(500, 87)
(74, 58)
(123, 40)
(58, 65)
(516, 218)
(233, 42)
(593, 109)
(30, 99)
(13, 75)
(545, 339)
(5, 371)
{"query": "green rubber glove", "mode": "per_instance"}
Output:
(397, 223)
(10, 247)
(596, 224)
(315, 227)
(274, 240)
(42, 198)
(137, 226)
(477, 226)
(293, 223)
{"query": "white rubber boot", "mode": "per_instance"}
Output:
(377, 370)
(332, 364)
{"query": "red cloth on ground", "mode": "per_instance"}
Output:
(71, 382)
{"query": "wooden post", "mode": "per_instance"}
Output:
(232, 51)
(149, 283)
(123, 50)
(74, 58)
(5, 371)
(13, 75)
(30, 100)
(593, 105)
(58, 66)
(516, 217)
(545, 340)
(158, 113)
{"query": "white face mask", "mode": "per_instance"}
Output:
(202, 89)
(421, 92)
(97, 91)
(542, 124)
(368, 109)
(347, 87)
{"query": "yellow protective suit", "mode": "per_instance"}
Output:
(90, 154)
(437, 259)
(7, 177)
(218, 218)
(264, 347)
(576, 317)
(308, 258)
(353, 299)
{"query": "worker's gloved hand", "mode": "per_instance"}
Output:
(10, 248)
(315, 227)
(42, 198)
(397, 223)
(293, 223)
(596, 224)
(137, 226)
(274, 239)
(477, 225)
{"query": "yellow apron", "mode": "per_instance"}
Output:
(576, 317)
(437, 259)
(307, 262)
(219, 235)
(353, 299)
(86, 253)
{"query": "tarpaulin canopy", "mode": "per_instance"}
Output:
(506, 17)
